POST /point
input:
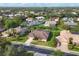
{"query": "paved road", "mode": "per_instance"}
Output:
(41, 51)
(36, 49)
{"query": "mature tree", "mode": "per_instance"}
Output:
(10, 23)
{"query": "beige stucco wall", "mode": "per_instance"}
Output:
(64, 39)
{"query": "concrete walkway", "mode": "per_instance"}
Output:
(28, 42)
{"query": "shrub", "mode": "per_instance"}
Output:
(58, 53)
(70, 46)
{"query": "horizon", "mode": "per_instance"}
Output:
(39, 4)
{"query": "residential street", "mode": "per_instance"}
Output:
(42, 49)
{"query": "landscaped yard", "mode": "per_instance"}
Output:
(19, 39)
(73, 47)
(51, 40)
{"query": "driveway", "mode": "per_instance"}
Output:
(28, 42)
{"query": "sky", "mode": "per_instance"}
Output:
(39, 4)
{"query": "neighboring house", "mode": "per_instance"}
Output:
(2, 11)
(12, 31)
(64, 38)
(65, 19)
(50, 23)
(29, 19)
(11, 16)
(1, 29)
(77, 19)
(41, 35)
(32, 12)
(55, 19)
(40, 18)
(36, 22)
(31, 22)
(4, 34)
(1, 18)
(75, 13)
(70, 23)
(7, 33)
(20, 30)
(21, 13)
(17, 14)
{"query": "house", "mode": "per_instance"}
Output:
(64, 38)
(32, 12)
(2, 11)
(65, 19)
(21, 31)
(40, 18)
(18, 30)
(35, 22)
(7, 33)
(17, 14)
(4, 34)
(29, 19)
(50, 23)
(69, 21)
(55, 19)
(11, 16)
(77, 19)
(1, 29)
(1, 17)
(75, 13)
(31, 22)
(41, 35)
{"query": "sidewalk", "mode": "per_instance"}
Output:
(52, 48)
(46, 47)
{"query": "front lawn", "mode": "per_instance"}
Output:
(51, 40)
(74, 48)
(17, 38)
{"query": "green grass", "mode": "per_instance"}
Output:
(20, 39)
(51, 40)
(57, 53)
(73, 47)
(51, 43)
(76, 48)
